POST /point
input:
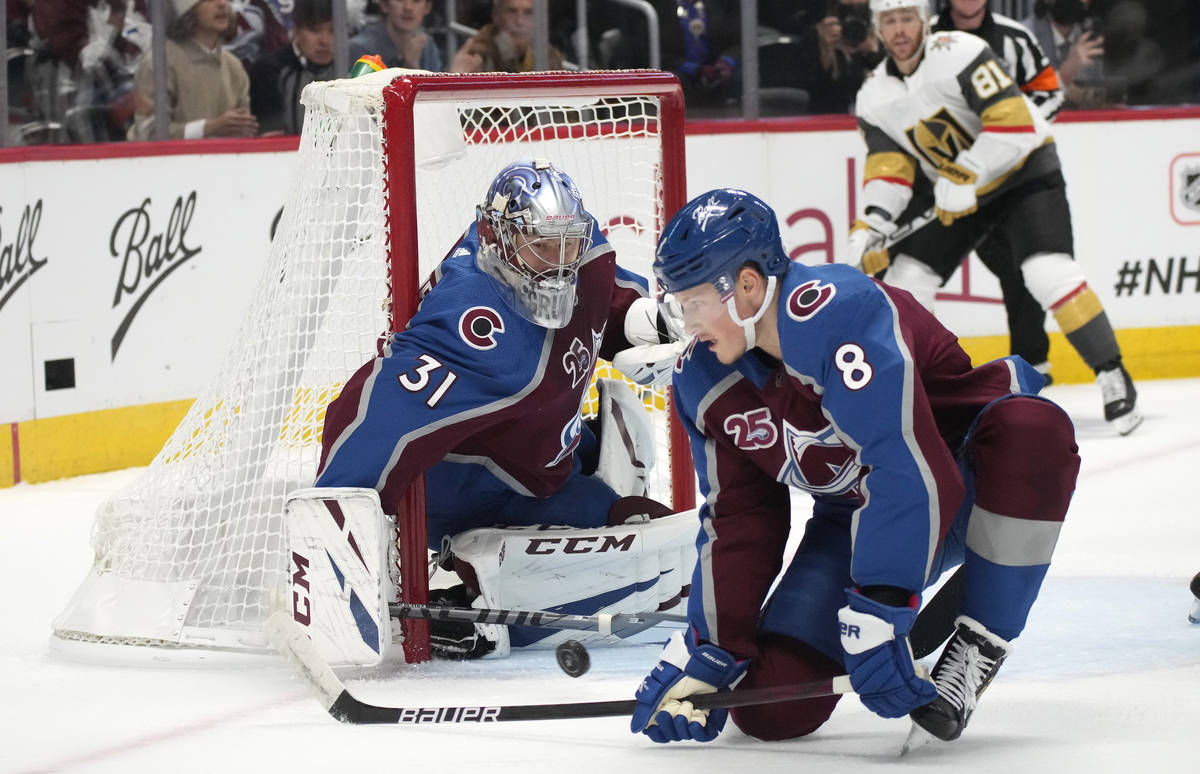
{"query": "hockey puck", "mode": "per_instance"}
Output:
(1194, 614)
(573, 658)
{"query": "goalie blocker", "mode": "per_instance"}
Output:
(342, 564)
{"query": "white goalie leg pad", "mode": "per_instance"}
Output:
(626, 439)
(907, 273)
(632, 568)
(338, 544)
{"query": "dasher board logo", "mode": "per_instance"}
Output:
(19, 260)
(148, 254)
(1185, 189)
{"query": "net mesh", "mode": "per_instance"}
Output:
(207, 513)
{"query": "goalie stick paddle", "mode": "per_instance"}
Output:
(619, 624)
(294, 643)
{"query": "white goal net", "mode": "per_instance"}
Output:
(390, 168)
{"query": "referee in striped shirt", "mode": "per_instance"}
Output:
(1016, 46)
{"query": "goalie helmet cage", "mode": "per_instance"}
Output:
(189, 558)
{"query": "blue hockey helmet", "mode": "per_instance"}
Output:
(533, 234)
(713, 236)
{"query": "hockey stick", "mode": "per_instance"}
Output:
(295, 644)
(934, 624)
(905, 230)
(620, 624)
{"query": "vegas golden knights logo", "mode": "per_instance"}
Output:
(940, 138)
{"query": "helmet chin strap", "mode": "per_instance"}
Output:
(748, 324)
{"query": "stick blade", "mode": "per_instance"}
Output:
(294, 644)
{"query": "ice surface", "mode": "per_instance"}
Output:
(1105, 678)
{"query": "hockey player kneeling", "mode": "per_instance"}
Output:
(824, 380)
(481, 394)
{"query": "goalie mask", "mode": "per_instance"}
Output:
(533, 234)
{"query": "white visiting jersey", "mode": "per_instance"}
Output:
(959, 92)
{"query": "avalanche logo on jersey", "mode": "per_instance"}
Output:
(707, 211)
(818, 462)
(578, 360)
(809, 298)
(568, 439)
(479, 325)
(940, 138)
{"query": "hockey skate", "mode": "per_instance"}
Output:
(1120, 398)
(963, 672)
(1043, 368)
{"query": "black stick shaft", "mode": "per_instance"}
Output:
(614, 623)
(348, 709)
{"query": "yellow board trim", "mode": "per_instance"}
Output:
(1148, 353)
(96, 441)
(93, 442)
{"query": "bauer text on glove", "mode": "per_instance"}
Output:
(685, 668)
(879, 657)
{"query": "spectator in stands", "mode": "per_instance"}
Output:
(701, 44)
(399, 38)
(1067, 32)
(16, 39)
(1133, 61)
(504, 45)
(790, 17)
(208, 90)
(255, 30)
(837, 52)
(277, 79)
(81, 70)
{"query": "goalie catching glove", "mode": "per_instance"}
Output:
(657, 341)
(878, 655)
(867, 246)
(685, 668)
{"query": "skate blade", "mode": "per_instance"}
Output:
(917, 738)
(1127, 423)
